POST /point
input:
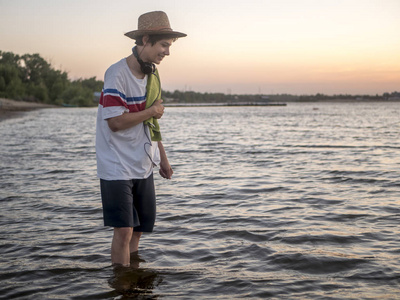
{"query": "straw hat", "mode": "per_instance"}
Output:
(155, 22)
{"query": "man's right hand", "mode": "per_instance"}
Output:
(158, 109)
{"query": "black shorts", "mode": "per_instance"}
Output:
(129, 203)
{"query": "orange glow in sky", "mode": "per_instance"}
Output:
(252, 46)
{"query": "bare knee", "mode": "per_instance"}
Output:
(123, 235)
(136, 234)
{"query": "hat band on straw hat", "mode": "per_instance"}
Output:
(153, 23)
(159, 29)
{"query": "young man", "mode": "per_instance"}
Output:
(128, 139)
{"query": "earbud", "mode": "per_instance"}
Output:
(145, 67)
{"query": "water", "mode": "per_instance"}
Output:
(287, 202)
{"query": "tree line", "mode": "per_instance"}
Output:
(29, 77)
(195, 97)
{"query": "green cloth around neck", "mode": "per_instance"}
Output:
(153, 93)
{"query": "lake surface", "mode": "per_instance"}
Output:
(295, 202)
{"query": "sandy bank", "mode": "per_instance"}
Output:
(11, 108)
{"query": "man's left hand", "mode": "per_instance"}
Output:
(166, 170)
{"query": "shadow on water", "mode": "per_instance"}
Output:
(133, 281)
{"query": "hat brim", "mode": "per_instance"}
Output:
(136, 33)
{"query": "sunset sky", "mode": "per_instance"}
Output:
(238, 47)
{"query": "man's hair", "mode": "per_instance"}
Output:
(154, 38)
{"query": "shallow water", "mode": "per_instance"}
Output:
(287, 202)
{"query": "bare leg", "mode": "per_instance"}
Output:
(120, 252)
(134, 244)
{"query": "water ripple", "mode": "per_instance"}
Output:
(268, 202)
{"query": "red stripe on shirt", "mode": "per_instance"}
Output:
(109, 101)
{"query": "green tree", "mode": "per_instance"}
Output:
(76, 95)
(30, 77)
(10, 83)
(36, 68)
(56, 82)
(93, 84)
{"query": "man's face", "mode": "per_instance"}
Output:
(156, 53)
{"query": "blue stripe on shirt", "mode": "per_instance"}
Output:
(122, 95)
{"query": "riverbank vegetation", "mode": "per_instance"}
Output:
(194, 97)
(29, 77)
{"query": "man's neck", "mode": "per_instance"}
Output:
(134, 66)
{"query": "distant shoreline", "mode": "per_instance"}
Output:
(11, 108)
(223, 104)
(273, 103)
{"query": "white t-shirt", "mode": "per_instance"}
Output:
(123, 155)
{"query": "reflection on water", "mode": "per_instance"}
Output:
(295, 202)
(134, 281)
